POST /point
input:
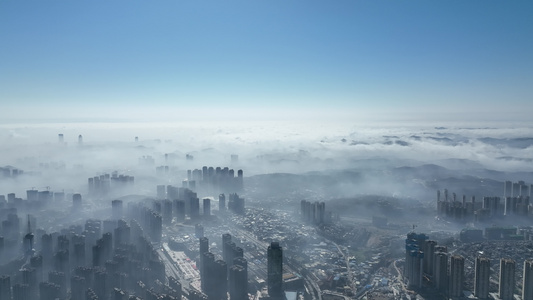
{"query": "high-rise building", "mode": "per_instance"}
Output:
(457, 265)
(221, 202)
(76, 203)
(32, 195)
(507, 279)
(36, 262)
(507, 189)
(226, 239)
(415, 261)
(161, 192)
(48, 291)
(275, 270)
(116, 206)
(236, 204)
(194, 204)
(176, 286)
(482, 277)
(238, 283)
(441, 271)
(220, 281)
(204, 247)
(21, 292)
(5, 287)
(527, 286)
(59, 279)
(207, 207)
(206, 271)
(100, 283)
(240, 180)
(179, 210)
(77, 287)
(414, 244)
(429, 252)
(167, 211)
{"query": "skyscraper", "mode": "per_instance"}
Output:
(161, 192)
(507, 279)
(414, 244)
(77, 287)
(429, 252)
(207, 207)
(116, 206)
(238, 283)
(21, 292)
(457, 265)
(206, 272)
(482, 277)
(527, 286)
(275, 270)
(441, 271)
(49, 291)
(204, 247)
(5, 287)
(219, 289)
(76, 203)
(221, 203)
(226, 239)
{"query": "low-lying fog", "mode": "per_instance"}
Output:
(335, 160)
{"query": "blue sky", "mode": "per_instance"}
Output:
(98, 59)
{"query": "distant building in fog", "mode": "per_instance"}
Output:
(116, 206)
(314, 213)
(207, 207)
(76, 203)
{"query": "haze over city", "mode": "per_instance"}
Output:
(266, 150)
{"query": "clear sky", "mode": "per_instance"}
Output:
(96, 59)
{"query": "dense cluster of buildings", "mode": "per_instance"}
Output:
(61, 139)
(10, 172)
(313, 212)
(212, 180)
(494, 233)
(99, 260)
(428, 264)
(514, 203)
(101, 185)
(229, 275)
(36, 199)
(182, 202)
